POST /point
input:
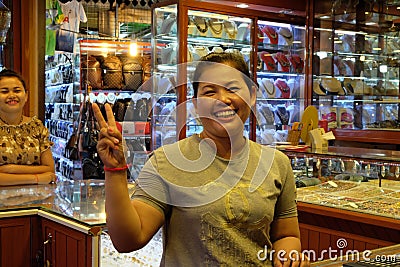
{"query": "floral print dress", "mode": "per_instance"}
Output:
(24, 143)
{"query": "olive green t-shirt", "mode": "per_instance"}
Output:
(217, 212)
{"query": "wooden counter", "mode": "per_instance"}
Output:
(323, 228)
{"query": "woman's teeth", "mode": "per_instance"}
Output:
(225, 114)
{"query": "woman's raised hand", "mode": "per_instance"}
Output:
(109, 144)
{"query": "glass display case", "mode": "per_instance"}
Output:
(281, 53)
(356, 64)
(73, 207)
(182, 34)
(363, 180)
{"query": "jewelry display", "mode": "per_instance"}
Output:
(230, 29)
(297, 63)
(243, 32)
(216, 27)
(269, 87)
(283, 62)
(283, 88)
(287, 35)
(269, 61)
(282, 114)
(168, 24)
(201, 25)
(271, 34)
(268, 114)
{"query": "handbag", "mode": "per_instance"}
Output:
(89, 134)
(132, 73)
(92, 169)
(71, 149)
(112, 73)
(91, 72)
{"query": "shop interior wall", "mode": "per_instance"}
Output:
(24, 49)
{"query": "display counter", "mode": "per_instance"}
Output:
(63, 225)
(355, 204)
(387, 256)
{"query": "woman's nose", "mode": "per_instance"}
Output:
(224, 97)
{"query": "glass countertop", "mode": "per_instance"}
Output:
(82, 201)
(350, 152)
(363, 197)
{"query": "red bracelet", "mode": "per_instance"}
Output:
(116, 169)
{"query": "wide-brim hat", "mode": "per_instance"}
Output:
(287, 35)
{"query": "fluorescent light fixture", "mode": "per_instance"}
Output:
(277, 24)
(325, 17)
(383, 68)
(349, 32)
(242, 5)
(133, 49)
(322, 54)
(323, 29)
(377, 48)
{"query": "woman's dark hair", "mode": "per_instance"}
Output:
(10, 73)
(234, 60)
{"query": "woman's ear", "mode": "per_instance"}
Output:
(26, 96)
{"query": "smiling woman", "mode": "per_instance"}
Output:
(25, 152)
(220, 197)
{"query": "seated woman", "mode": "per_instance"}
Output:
(25, 154)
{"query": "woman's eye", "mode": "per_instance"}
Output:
(208, 93)
(233, 89)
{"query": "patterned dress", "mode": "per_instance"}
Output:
(24, 143)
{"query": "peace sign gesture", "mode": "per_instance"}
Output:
(109, 144)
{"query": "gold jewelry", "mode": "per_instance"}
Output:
(199, 21)
(212, 23)
(3, 121)
(230, 28)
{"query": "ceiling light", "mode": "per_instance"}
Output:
(242, 5)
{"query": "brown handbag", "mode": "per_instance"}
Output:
(91, 72)
(112, 73)
(133, 73)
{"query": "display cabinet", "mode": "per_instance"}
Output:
(355, 67)
(281, 52)
(62, 108)
(63, 224)
(184, 31)
(113, 72)
(273, 45)
(349, 195)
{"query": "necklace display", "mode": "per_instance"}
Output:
(214, 23)
(199, 22)
(283, 115)
(4, 122)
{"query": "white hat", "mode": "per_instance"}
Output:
(287, 35)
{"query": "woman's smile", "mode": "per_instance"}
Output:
(225, 114)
